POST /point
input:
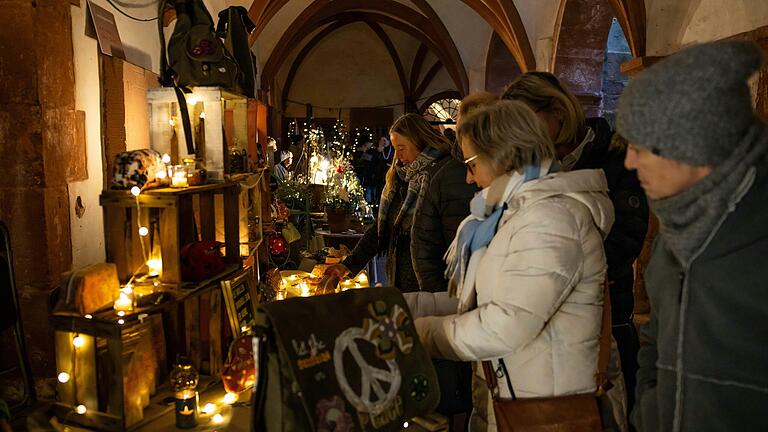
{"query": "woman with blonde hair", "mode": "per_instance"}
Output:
(586, 143)
(527, 265)
(423, 201)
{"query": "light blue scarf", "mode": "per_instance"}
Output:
(479, 228)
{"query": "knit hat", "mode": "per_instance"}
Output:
(693, 107)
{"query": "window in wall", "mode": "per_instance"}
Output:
(443, 111)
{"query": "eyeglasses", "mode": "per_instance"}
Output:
(469, 167)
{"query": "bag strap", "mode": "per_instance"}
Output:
(603, 356)
(260, 389)
(186, 123)
(166, 79)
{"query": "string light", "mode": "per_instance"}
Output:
(209, 408)
(121, 321)
(89, 316)
(63, 377)
(121, 313)
(78, 341)
(135, 191)
(143, 231)
(230, 398)
(166, 157)
(217, 419)
(81, 409)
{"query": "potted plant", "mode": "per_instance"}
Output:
(342, 196)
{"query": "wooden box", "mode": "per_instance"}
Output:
(174, 218)
(99, 365)
(219, 121)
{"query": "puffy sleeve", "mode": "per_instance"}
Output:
(544, 261)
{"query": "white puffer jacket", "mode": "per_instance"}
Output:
(538, 290)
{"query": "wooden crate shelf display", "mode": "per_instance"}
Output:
(97, 373)
(175, 217)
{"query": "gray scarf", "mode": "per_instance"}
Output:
(416, 175)
(688, 218)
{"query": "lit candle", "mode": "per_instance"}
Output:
(123, 303)
(155, 266)
(304, 289)
(179, 179)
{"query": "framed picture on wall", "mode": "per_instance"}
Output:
(240, 301)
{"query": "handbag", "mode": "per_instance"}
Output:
(572, 413)
(201, 260)
(340, 362)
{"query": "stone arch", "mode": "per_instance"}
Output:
(501, 67)
(386, 12)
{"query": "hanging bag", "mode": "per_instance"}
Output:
(194, 56)
(234, 27)
(340, 362)
(573, 413)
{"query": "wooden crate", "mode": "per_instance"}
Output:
(98, 381)
(175, 217)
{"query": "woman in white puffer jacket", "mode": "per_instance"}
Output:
(527, 265)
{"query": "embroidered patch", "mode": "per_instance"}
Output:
(419, 388)
(332, 416)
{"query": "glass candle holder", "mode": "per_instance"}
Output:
(179, 178)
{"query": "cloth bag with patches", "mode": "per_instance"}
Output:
(342, 362)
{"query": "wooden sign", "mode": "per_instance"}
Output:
(239, 298)
(100, 23)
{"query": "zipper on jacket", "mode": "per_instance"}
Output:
(742, 190)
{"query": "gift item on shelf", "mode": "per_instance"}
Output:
(88, 289)
(239, 372)
(141, 168)
(170, 218)
(202, 260)
(218, 117)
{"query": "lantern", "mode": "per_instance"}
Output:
(184, 379)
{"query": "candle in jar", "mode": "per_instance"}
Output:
(123, 303)
(179, 179)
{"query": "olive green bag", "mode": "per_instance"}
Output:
(340, 362)
(195, 54)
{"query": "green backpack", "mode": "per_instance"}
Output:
(341, 362)
(195, 55)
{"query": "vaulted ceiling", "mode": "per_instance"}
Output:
(431, 44)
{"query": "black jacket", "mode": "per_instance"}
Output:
(417, 259)
(705, 358)
(437, 218)
(625, 241)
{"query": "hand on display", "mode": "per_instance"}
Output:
(332, 276)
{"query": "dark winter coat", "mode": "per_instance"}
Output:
(436, 221)
(417, 262)
(626, 238)
(704, 363)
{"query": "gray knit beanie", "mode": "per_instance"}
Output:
(693, 107)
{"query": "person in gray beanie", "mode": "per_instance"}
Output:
(701, 155)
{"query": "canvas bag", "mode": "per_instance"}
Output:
(340, 362)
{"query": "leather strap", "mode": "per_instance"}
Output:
(603, 355)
